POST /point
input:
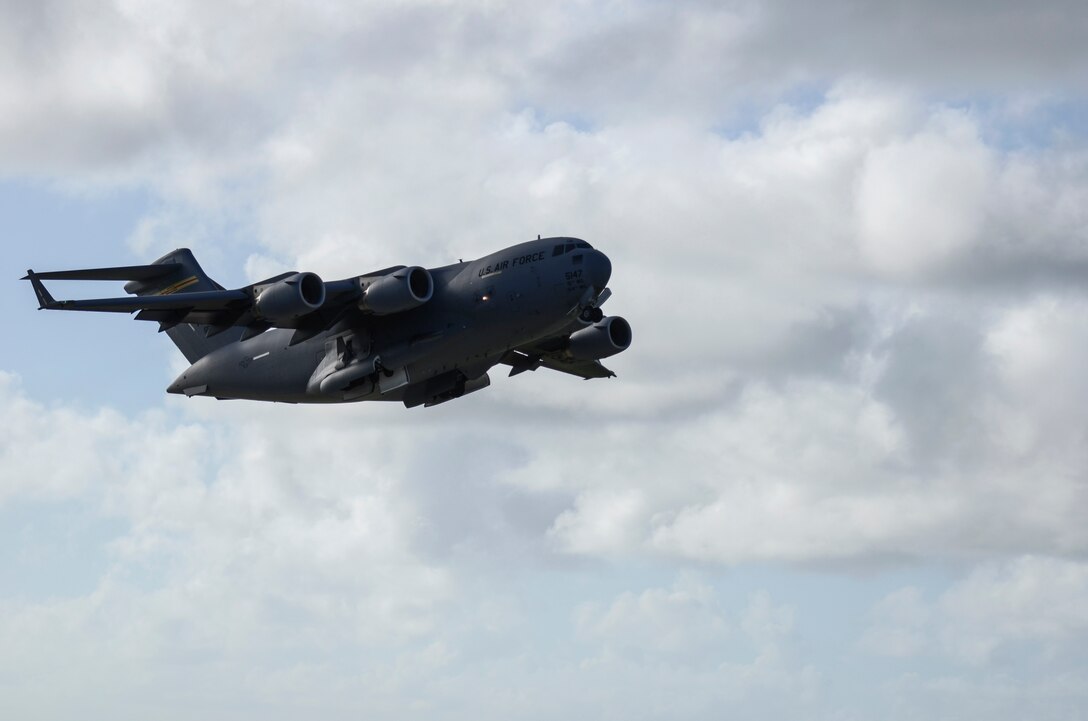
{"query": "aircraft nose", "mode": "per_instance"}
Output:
(600, 269)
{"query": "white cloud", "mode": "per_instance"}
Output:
(241, 519)
(1039, 601)
(56, 453)
(1036, 343)
(279, 553)
(602, 522)
(683, 624)
(812, 400)
(899, 625)
(683, 637)
(921, 201)
(918, 447)
(1031, 606)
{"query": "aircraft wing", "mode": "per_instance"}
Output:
(217, 308)
(529, 358)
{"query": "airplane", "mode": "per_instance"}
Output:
(406, 333)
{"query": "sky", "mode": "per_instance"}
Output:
(843, 470)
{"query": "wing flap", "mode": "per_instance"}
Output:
(527, 360)
(582, 369)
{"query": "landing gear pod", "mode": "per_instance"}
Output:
(444, 388)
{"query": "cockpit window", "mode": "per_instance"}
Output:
(568, 247)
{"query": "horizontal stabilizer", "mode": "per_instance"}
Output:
(126, 272)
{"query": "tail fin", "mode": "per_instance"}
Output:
(186, 277)
(45, 300)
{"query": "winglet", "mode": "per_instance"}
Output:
(44, 299)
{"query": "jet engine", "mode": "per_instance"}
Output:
(397, 292)
(290, 298)
(607, 337)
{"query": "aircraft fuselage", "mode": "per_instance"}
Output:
(479, 311)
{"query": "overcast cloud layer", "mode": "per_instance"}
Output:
(843, 472)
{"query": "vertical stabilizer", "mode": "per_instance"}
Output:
(192, 340)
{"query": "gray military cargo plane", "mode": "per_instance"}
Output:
(409, 334)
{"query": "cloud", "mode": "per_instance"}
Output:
(1027, 609)
(899, 625)
(1000, 47)
(855, 271)
(56, 453)
(233, 511)
(921, 201)
(258, 555)
(817, 315)
(919, 447)
(1035, 601)
(743, 658)
(678, 625)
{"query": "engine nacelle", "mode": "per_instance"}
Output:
(607, 337)
(290, 298)
(397, 292)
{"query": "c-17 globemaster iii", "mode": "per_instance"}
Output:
(405, 333)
